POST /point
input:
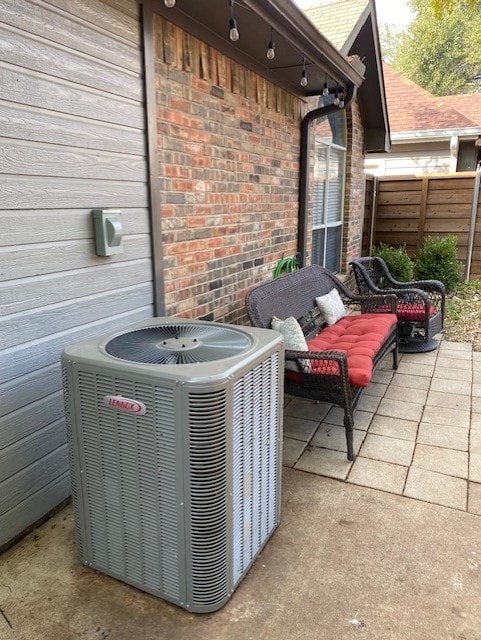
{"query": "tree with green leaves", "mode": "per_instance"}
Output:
(440, 49)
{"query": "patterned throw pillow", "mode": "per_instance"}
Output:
(293, 337)
(331, 307)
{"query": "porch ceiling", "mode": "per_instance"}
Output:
(294, 35)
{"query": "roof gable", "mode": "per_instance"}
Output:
(351, 26)
(338, 20)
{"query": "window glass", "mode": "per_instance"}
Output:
(327, 189)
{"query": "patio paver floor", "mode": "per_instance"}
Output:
(417, 431)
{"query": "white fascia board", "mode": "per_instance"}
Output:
(433, 135)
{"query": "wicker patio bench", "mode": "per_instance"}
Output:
(338, 359)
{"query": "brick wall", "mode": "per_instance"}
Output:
(228, 144)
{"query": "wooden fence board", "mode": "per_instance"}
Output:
(399, 197)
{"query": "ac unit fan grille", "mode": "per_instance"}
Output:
(179, 344)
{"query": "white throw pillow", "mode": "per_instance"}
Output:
(293, 337)
(331, 307)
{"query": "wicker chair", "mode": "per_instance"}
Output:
(420, 308)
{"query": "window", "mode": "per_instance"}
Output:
(327, 195)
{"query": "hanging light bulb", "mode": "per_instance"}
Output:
(336, 97)
(341, 101)
(169, 3)
(325, 90)
(304, 80)
(271, 47)
(233, 30)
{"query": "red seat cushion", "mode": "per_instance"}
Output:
(410, 312)
(360, 337)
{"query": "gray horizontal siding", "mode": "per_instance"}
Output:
(44, 321)
(37, 354)
(34, 507)
(34, 53)
(31, 419)
(38, 474)
(27, 158)
(63, 224)
(65, 97)
(21, 192)
(41, 125)
(29, 388)
(72, 140)
(27, 451)
(35, 259)
(54, 24)
(28, 293)
(116, 18)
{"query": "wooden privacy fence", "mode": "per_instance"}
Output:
(403, 210)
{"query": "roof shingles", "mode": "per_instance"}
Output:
(412, 108)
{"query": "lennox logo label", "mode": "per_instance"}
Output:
(125, 404)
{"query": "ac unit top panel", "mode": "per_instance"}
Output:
(178, 349)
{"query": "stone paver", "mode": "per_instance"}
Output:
(436, 487)
(451, 386)
(447, 461)
(378, 475)
(394, 427)
(378, 389)
(448, 373)
(449, 417)
(475, 467)
(440, 435)
(448, 400)
(475, 440)
(425, 358)
(299, 428)
(387, 449)
(476, 421)
(384, 377)
(458, 356)
(400, 409)
(332, 436)
(368, 403)
(476, 391)
(416, 369)
(410, 381)
(324, 462)
(416, 396)
(292, 451)
(448, 345)
(362, 419)
(474, 498)
(309, 409)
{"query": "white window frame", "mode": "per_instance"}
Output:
(325, 224)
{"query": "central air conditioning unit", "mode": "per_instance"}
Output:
(174, 429)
